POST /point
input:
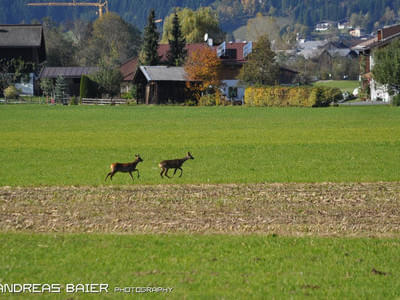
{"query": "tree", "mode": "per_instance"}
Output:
(60, 48)
(177, 53)
(194, 25)
(47, 86)
(108, 78)
(203, 66)
(386, 68)
(149, 55)
(260, 67)
(61, 90)
(112, 39)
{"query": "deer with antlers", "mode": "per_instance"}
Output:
(125, 168)
(176, 164)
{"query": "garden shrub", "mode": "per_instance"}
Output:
(88, 88)
(11, 92)
(305, 96)
(396, 100)
(207, 100)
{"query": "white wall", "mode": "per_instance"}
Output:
(233, 83)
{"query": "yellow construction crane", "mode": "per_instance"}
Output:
(100, 5)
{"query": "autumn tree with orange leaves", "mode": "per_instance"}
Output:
(203, 67)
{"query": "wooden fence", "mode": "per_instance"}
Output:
(94, 101)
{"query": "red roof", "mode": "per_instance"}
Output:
(128, 69)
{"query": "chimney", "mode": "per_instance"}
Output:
(380, 33)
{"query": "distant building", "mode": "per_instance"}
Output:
(357, 32)
(366, 49)
(71, 74)
(344, 24)
(161, 84)
(324, 26)
(25, 42)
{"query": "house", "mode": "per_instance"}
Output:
(233, 55)
(324, 26)
(22, 41)
(357, 32)
(25, 42)
(71, 74)
(128, 69)
(161, 84)
(366, 49)
(344, 24)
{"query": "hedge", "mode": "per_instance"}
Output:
(88, 88)
(306, 96)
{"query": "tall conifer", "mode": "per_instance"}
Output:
(177, 53)
(151, 36)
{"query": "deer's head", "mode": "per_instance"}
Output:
(138, 158)
(190, 156)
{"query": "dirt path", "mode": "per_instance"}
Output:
(345, 209)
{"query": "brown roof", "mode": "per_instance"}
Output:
(384, 36)
(21, 35)
(389, 31)
(128, 68)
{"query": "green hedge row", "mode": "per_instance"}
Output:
(306, 96)
(88, 88)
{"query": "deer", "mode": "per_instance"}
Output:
(176, 164)
(125, 168)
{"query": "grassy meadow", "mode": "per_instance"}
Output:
(344, 85)
(61, 223)
(207, 267)
(55, 145)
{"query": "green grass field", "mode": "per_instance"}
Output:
(344, 85)
(54, 145)
(207, 267)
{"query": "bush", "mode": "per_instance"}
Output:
(207, 100)
(304, 96)
(11, 92)
(88, 88)
(396, 100)
(74, 100)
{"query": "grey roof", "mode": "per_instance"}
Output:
(164, 73)
(339, 52)
(21, 35)
(67, 72)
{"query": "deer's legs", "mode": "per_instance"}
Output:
(130, 173)
(181, 171)
(136, 170)
(111, 174)
(166, 173)
(162, 172)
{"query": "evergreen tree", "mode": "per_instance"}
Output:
(177, 53)
(61, 90)
(260, 67)
(149, 55)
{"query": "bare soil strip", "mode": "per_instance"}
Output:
(322, 209)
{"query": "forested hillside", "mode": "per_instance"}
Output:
(233, 13)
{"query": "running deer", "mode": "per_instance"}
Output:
(176, 164)
(125, 167)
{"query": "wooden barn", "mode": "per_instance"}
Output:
(161, 84)
(22, 41)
